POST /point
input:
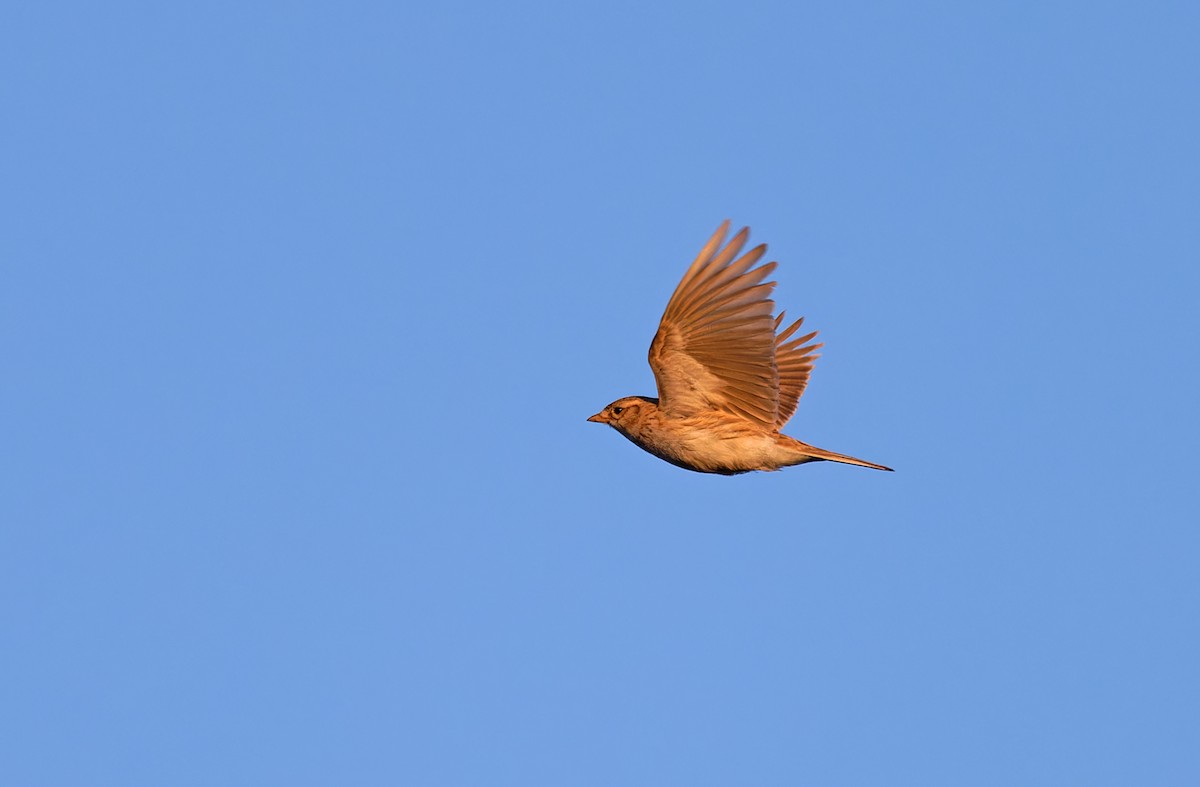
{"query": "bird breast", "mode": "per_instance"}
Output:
(711, 443)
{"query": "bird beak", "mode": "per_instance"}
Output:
(598, 418)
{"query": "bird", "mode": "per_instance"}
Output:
(728, 378)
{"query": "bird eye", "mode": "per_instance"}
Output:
(618, 410)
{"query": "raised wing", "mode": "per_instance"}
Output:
(715, 347)
(794, 358)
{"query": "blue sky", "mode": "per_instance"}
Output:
(304, 307)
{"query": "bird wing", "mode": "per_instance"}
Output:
(715, 346)
(794, 358)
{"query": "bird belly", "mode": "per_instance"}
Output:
(711, 451)
(736, 454)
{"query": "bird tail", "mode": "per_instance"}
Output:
(811, 452)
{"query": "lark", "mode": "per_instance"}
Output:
(728, 378)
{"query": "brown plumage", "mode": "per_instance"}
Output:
(728, 378)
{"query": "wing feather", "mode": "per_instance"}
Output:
(794, 360)
(716, 344)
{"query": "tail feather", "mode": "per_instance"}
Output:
(829, 456)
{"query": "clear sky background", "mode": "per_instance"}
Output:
(304, 306)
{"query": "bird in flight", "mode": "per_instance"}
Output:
(728, 377)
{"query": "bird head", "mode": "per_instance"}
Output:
(625, 412)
